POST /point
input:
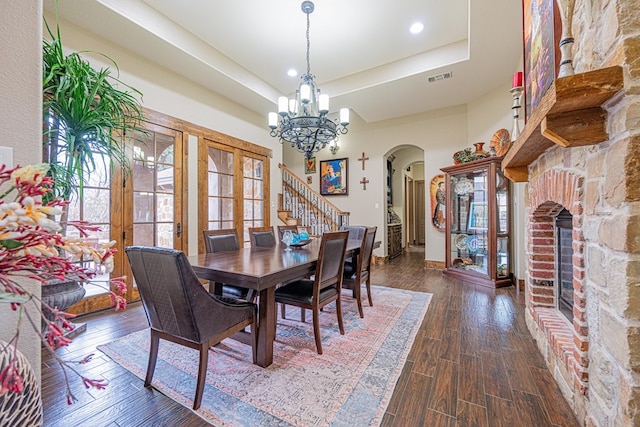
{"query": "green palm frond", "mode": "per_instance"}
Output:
(86, 113)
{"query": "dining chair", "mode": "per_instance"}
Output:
(356, 232)
(180, 310)
(222, 241)
(262, 236)
(355, 274)
(325, 287)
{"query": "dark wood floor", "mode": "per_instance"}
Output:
(473, 363)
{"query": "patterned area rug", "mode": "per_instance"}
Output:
(349, 385)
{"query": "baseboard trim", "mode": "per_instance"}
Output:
(380, 259)
(436, 265)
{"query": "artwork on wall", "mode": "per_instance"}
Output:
(310, 165)
(438, 201)
(309, 180)
(541, 29)
(334, 177)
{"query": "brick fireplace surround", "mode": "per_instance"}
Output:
(596, 359)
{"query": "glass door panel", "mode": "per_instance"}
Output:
(152, 213)
(93, 205)
(502, 225)
(252, 194)
(220, 197)
(469, 226)
(153, 192)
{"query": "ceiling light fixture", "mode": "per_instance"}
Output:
(416, 28)
(303, 120)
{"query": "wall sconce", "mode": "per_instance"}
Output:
(333, 146)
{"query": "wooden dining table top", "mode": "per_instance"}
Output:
(263, 267)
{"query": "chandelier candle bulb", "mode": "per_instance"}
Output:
(344, 116)
(283, 104)
(305, 93)
(273, 120)
(323, 103)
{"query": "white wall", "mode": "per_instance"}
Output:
(21, 122)
(439, 133)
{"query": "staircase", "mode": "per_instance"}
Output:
(300, 205)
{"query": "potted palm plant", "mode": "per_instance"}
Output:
(87, 114)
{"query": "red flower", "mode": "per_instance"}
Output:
(32, 247)
(10, 379)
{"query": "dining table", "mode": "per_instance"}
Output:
(263, 269)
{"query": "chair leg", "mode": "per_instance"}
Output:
(339, 313)
(302, 314)
(283, 309)
(153, 356)
(357, 290)
(202, 375)
(316, 329)
(369, 291)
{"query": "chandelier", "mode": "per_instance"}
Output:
(303, 121)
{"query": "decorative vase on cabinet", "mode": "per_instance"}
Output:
(478, 238)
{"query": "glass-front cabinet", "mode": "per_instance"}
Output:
(478, 223)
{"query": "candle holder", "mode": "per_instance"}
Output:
(566, 41)
(516, 92)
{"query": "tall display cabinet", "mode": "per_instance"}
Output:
(478, 230)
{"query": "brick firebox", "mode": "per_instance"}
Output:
(565, 345)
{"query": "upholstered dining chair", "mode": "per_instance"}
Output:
(356, 232)
(355, 274)
(262, 236)
(222, 241)
(180, 310)
(325, 287)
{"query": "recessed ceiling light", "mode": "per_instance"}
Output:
(416, 28)
(292, 72)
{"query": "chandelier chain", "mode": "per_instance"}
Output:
(308, 45)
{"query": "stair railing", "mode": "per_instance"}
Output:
(308, 207)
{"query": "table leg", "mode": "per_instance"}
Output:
(266, 326)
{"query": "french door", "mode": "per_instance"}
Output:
(234, 189)
(141, 206)
(153, 194)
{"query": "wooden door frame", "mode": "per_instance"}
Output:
(409, 212)
(420, 237)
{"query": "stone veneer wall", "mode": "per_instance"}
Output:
(596, 361)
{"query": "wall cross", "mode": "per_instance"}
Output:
(363, 159)
(364, 182)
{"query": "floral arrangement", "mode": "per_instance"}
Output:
(32, 247)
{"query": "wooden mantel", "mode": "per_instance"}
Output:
(570, 115)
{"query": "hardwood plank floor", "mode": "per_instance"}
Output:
(473, 363)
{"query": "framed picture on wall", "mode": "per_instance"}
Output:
(334, 177)
(310, 165)
(438, 201)
(541, 29)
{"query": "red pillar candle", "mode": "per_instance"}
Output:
(517, 79)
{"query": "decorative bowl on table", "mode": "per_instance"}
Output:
(300, 243)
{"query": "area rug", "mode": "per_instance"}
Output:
(349, 385)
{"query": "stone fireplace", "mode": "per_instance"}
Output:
(594, 355)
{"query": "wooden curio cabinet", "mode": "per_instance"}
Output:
(478, 223)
